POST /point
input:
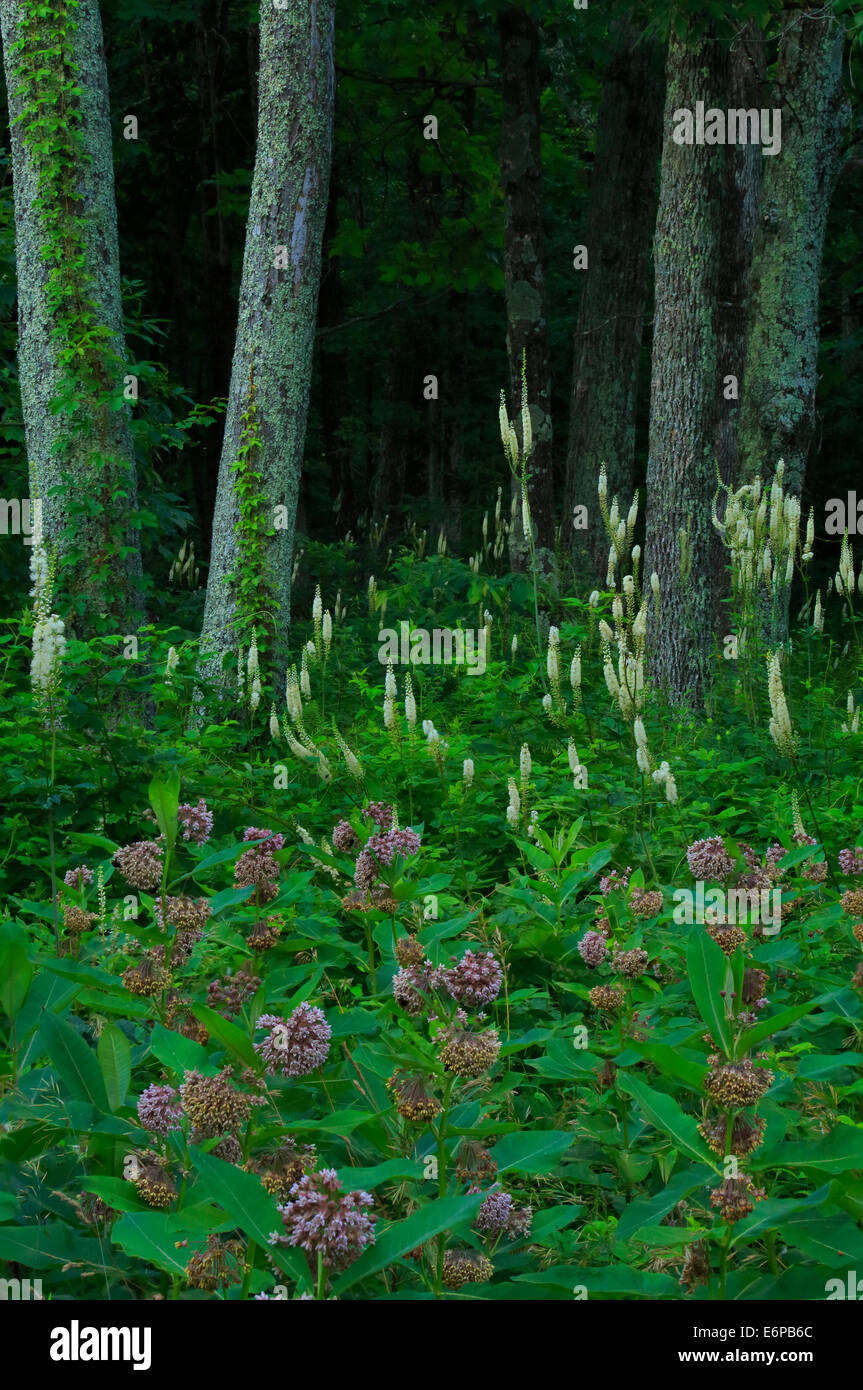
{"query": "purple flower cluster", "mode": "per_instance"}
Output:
(380, 851)
(160, 1109)
(709, 860)
(475, 980)
(381, 813)
(344, 837)
(297, 1045)
(197, 822)
(270, 846)
(497, 1216)
(413, 983)
(615, 881)
(322, 1219)
(593, 948)
(82, 877)
(850, 861)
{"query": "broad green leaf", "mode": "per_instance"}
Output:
(393, 1170)
(618, 1280)
(664, 1112)
(445, 1214)
(652, 1209)
(784, 1019)
(51, 1245)
(227, 1033)
(164, 793)
(244, 1198)
(707, 968)
(119, 1193)
(179, 1053)
(531, 1151)
(115, 1059)
(74, 1062)
(16, 972)
(840, 1151)
(671, 1062)
(152, 1236)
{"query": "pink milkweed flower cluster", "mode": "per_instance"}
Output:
(709, 860)
(614, 881)
(81, 877)
(197, 822)
(593, 948)
(380, 813)
(322, 1219)
(272, 843)
(297, 1045)
(475, 979)
(380, 851)
(850, 861)
(160, 1109)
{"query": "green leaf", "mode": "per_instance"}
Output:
(228, 897)
(232, 1037)
(151, 1236)
(179, 1053)
(535, 1151)
(49, 1246)
(393, 1170)
(707, 968)
(652, 1209)
(779, 1021)
(164, 793)
(842, 1149)
(618, 1280)
(115, 1059)
(671, 1062)
(834, 1241)
(16, 972)
(74, 1062)
(243, 1197)
(664, 1112)
(119, 1193)
(445, 1214)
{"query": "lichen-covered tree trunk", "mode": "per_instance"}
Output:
(249, 583)
(680, 464)
(71, 347)
(777, 415)
(615, 286)
(741, 186)
(527, 331)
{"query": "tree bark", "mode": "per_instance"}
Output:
(211, 45)
(527, 331)
(615, 287)
(680, 474)
(82, 459)
(777, 417)
(276, 328)
(335, 384)
(741, 187)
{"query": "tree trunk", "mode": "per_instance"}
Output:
(211, 45)
(249, 583)
(335, 391)
(680, 474)
(527, 332)
(70, 318)
(615, 287)
(777, 417)
(741, 187)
